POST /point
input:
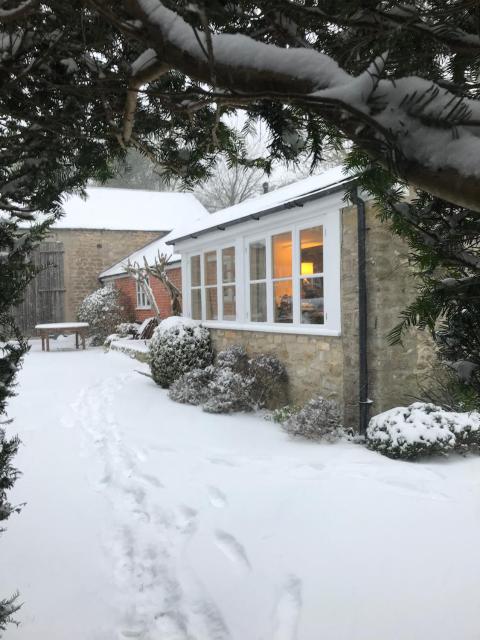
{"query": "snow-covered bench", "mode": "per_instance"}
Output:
(61, 328)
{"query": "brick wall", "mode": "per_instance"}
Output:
(90, 251)
(127, 285)
(329, 365)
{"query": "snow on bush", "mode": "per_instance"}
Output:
(422, 429)
(127, 330)
(235, 383)
(270, 381)
(178, 345)
(234, 358)
(122, 331)
(192, 387)
(228, 391)
(103, 311)
(318, 420)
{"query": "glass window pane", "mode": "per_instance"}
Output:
(195, 271)
(311, 301)
(258, 302)
(282, 255)
(228, 264)
(257, 260)
(229, 303)
(211, 303)
(211, 267)
(197, 304)
(282, 301)
(311, 251)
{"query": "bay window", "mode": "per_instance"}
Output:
(282, 277)
(211, 293)
(258, 281)
(286, 276)
(196, 288)
(311, 276)
(229, 291)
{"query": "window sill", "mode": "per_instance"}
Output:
(143, 308)
(308, 330)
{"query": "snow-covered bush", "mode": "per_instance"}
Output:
(318, 420)
(234, 358)
(103, 311)
(127, 330)
(270, 381)
(234, 383)
(178, 345)
(422, 429)
(228, 391)
(192, 387)
(282, 414)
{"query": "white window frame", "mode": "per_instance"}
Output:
(313, 214)
(142, 299)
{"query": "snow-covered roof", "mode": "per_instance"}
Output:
(150, 251)
(274, 200)
(129, 209)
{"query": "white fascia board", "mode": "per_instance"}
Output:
(311, 209)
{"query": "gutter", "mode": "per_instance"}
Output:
(290, 204)
(363, 399)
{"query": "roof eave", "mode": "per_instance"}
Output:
(290, 204)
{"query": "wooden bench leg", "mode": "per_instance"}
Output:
(83, 341)
(76, 339)
(43, 343)
(48, 342)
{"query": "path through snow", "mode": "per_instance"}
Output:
(148, 519)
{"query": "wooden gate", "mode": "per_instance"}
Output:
(44, 298)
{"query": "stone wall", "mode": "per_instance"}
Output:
(329, 365)
(90, 251)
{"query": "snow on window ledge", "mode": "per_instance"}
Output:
(309, 330)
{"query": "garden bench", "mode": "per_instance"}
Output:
(61, 328)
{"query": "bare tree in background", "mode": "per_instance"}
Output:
(229, 186)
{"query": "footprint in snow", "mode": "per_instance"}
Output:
(152, 480)
(186, 519)
(232, 549)
(222, 461)
(217, 498)
(287, 611)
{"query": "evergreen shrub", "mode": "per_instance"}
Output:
(319, 419)
(423, 429)
(103, 310)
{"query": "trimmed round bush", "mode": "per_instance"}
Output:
(318, 420)
(178, 345)
(423, 429)
(103, 311)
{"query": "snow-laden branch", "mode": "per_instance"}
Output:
(429, 136)
(20, 11)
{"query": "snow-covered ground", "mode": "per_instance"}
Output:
(152, 520)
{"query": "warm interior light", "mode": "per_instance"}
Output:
(307, 268)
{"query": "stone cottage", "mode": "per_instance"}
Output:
(93, 234)
(298, 273)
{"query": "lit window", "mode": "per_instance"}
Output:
(282, 277)
(311, 276)
(228, 284)
(258, 281)
(142, 299)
